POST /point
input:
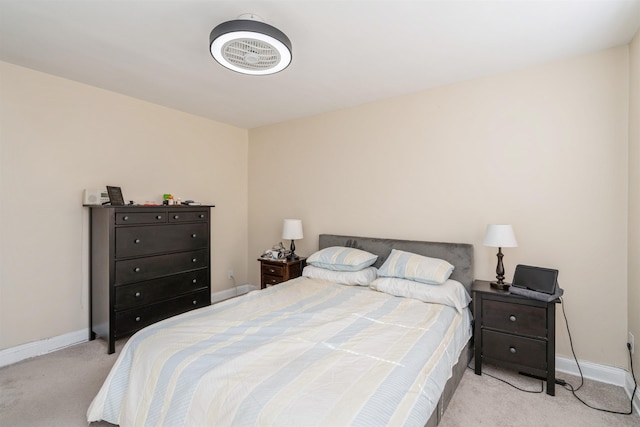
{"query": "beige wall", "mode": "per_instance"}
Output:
(58, 137)
(633, 302)
(544, 149)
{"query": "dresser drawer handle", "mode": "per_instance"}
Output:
(138, 319)
(512, 318)
(194, 260)
(194, 280)
(136, 270)
(159, 217)
(273, 280)
(271, 270)
(193, 235)
(512, 350)
(136, 241)
(195, 302)
(176, 216)
(201, 216)
(137, 295)
(125, 218)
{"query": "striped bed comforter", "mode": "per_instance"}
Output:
(303, 353)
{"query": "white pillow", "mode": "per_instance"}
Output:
(451, 292)
(407, 265)
(359, 278)
(342, 259)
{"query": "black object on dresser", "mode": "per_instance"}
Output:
(274, 271)
(514, 332)
(147, 264)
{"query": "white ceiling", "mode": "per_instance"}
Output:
(345, 53)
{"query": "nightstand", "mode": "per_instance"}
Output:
(514, 332)
(274, 271)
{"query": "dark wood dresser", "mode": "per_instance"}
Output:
(514, 332)
(147, 264)
(274, 271)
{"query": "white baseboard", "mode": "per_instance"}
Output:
(232, 293)
(601, 373)
(18, 353)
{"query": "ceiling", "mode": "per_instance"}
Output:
(345, 53)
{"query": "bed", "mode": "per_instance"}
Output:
(304, 352)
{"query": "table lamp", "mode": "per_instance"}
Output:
(292, 229)
(500, 236)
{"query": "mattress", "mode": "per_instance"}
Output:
(306, 352)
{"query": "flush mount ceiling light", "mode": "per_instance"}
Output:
(249, 46)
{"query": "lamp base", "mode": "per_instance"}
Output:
(292, 254)
(503, 286)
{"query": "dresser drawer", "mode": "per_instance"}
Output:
(514, 349)
(135, 270)
(123, 218)
(516, 318)
(188, 216)
(273, 270)
(146, 240)
(128, 321)
(150, 291)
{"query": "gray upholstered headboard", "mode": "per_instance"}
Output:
(460, 255)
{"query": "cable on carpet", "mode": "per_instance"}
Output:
(573, 390)
(508, 383)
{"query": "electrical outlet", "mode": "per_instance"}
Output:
(631, 340)
(230, 274)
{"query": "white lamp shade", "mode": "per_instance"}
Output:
(500, 236)
(292, 229)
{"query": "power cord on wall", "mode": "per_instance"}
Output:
(573, 390)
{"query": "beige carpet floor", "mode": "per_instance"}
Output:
(56, 389)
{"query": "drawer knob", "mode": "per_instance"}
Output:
(138, 319)
(201, 215)
(194, 280)
(512, 318)
(176, 216)
(137, 295)
(272, 270)
(512, 350)
(193, 235)
(125, 218)
(273, 280)
(159, 217)
(195, 302)
(137, 269)
(136, 241)
(194, 260)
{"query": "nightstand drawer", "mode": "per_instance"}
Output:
(272, 280)
(516, 318)
(514, 332)
(273, 270)
(514, 349)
